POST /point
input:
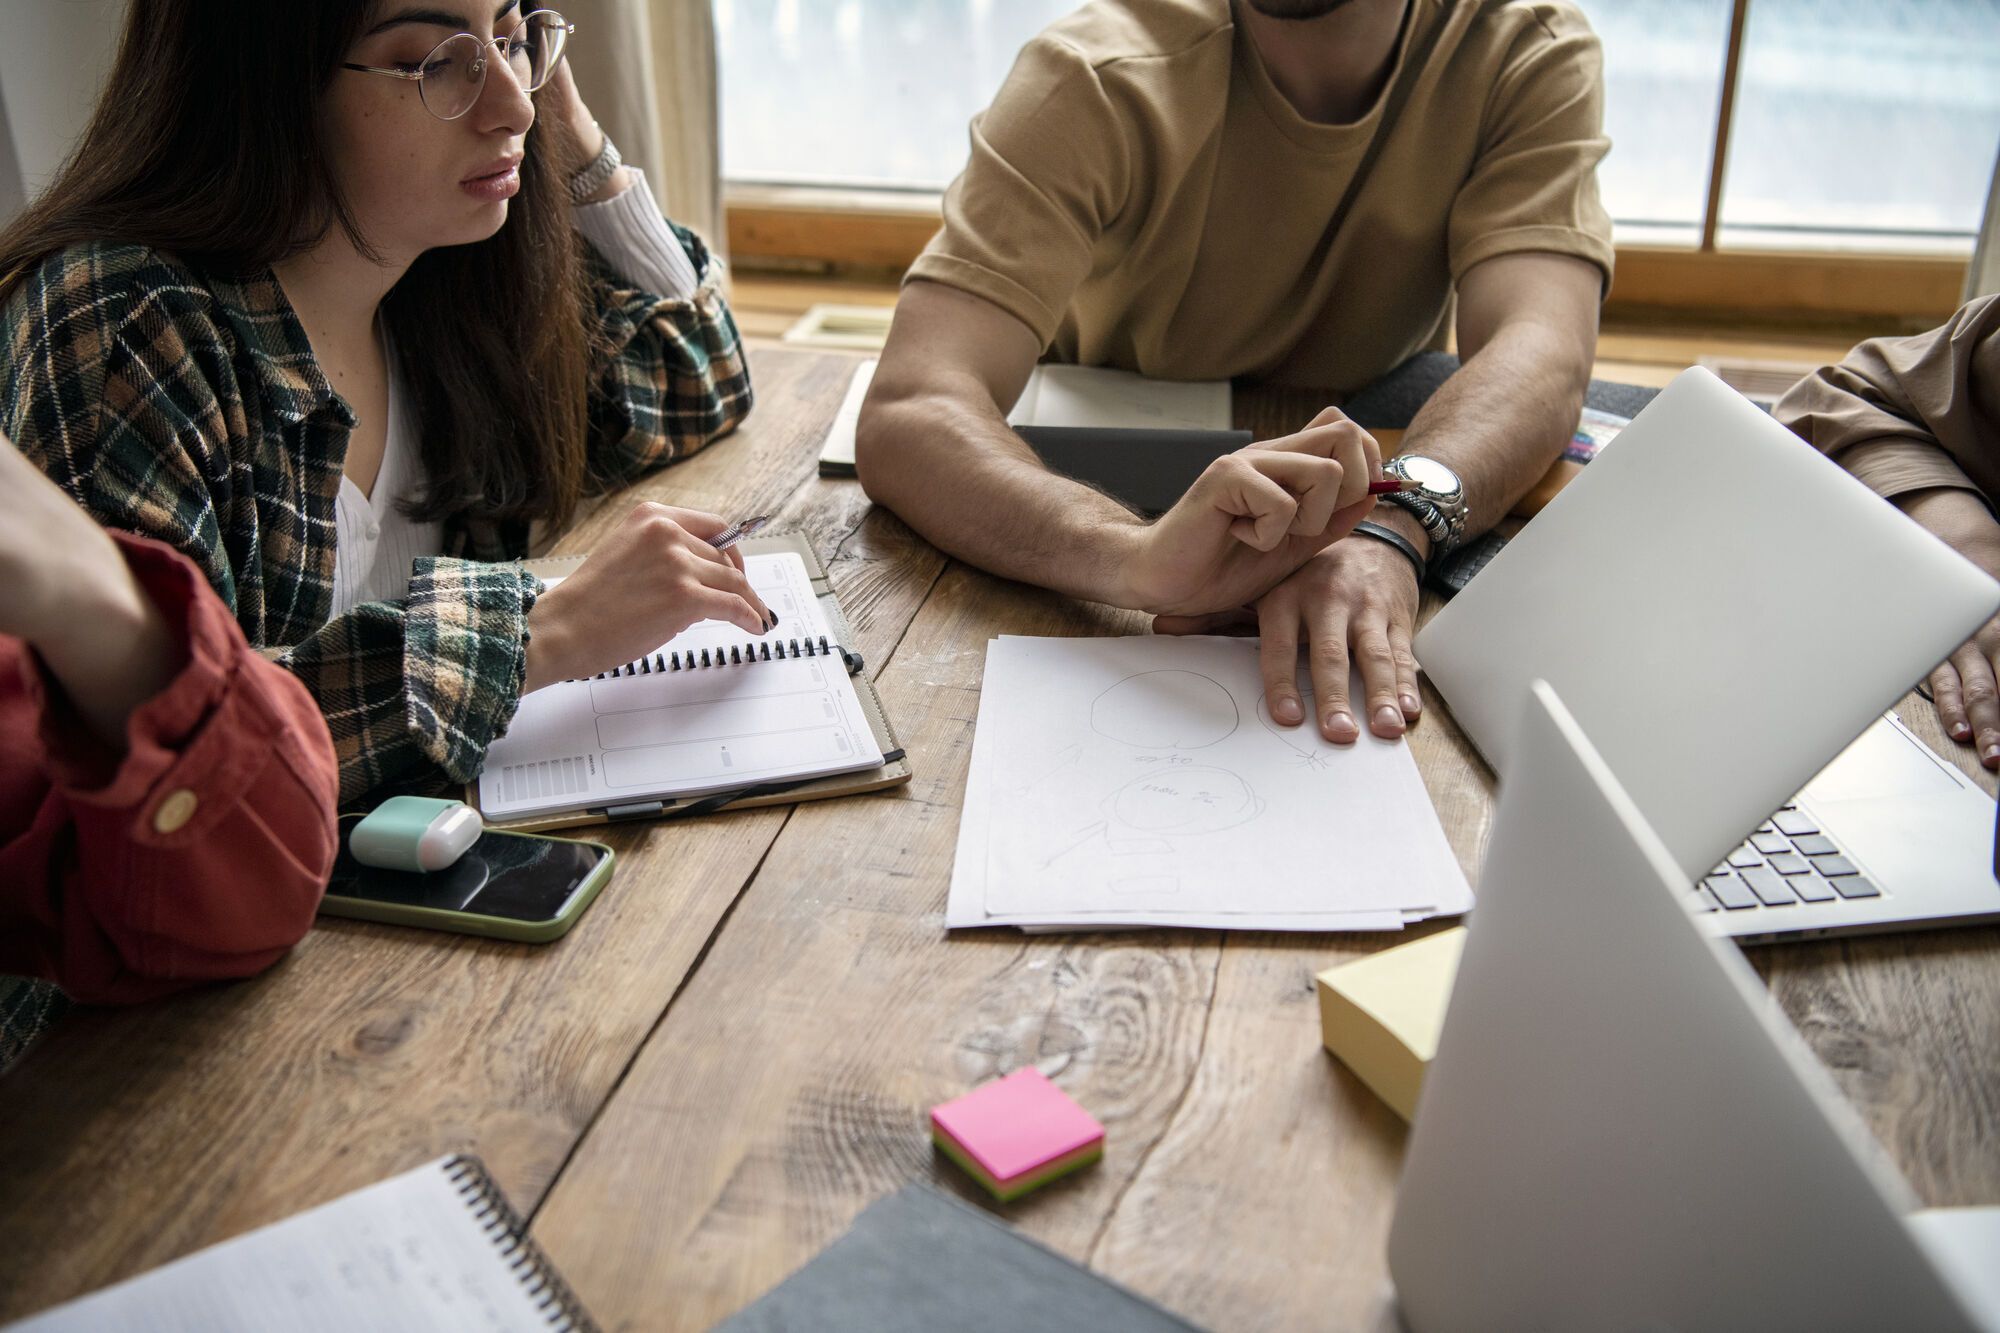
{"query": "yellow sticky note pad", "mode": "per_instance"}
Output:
(1381, 1015)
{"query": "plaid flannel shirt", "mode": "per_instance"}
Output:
(187, 406)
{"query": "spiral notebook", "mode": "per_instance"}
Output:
(714, 718)
(437, 1247)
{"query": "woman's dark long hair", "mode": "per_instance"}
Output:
(207, 145)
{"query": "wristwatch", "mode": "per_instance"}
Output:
(591, 179)
(1437, 502)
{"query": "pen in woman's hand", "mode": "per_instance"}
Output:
(737, 531)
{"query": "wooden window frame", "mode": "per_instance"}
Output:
(879, 233)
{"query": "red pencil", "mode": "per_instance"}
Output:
(1387, 487)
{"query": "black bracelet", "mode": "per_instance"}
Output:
(1397, 540)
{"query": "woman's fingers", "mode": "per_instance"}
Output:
(720, 576)
(1312, 483)
(717, 604)
(1261, 509)
(708, 556)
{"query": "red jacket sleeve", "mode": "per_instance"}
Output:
(202, 852)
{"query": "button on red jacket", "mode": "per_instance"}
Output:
(199, 854)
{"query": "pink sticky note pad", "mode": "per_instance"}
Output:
(1016, 1124)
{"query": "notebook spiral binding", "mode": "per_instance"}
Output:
(509, 1233)
(738, 655)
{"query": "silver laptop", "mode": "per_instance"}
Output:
(1724, 609)
(1621, 1130)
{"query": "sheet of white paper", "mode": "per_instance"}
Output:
(1132, 777)
(965, 904)
(405, 1254)
(1093, 396)
(839, 445)
(647, 730)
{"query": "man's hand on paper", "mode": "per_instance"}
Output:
(1356, 600)
(1252, 518)
(655, 575)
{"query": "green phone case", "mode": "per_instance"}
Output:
(472, 923)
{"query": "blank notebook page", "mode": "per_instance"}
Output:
(713, 710)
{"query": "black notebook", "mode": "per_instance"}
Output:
(434, 1248)
(919, 1261)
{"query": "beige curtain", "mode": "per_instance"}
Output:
(647, 70)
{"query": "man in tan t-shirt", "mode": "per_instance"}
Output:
(1288, 190)
(1918, 419)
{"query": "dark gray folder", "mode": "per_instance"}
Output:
(919, 1261)
(1147, 470)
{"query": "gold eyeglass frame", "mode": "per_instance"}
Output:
(420, 74)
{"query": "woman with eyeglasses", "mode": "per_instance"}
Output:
(349, 301)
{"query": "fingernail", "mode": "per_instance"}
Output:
(1992, 751)
(1959, 731)
(770, 622)
(1342, 726)
(774, 620)
(1389, 718)
(1288, 711)
(1412, 704)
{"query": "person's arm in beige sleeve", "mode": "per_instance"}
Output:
(1918, 420)
(1047, 170)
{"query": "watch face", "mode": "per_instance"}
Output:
(1430, 474)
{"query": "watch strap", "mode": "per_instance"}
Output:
(591, 179)
(1396, 539)
(1427, 512)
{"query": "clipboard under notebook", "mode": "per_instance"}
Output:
(716, 719)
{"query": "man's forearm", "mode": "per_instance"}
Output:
(1501, 420)
(974, 489)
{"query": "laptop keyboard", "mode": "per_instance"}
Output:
(1787, 861)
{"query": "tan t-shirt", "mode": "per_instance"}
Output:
(1141, 195)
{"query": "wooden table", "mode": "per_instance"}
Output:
(698, 1088)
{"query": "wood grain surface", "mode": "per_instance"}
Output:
(734, 1051)
(135, 1135)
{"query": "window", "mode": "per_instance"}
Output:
(1855, 121)
(1864, 117)
(1662, 84)
(862, 93)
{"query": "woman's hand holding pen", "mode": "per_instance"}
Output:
(655, 575)
(1251, 518)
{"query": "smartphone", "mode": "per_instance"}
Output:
(513, 886)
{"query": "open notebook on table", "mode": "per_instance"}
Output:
(434, 1248)
(714, 718)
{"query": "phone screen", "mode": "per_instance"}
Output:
(512, 875)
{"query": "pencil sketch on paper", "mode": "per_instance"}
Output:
(1122, 783)
(1148, 815)
(1308, 747)
(1166, 710)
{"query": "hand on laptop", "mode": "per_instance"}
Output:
(1966, 686)
(1252, 518)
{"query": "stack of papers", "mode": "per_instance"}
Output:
(1140, 782)
(1092, 396)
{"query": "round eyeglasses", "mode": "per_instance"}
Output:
(450, 78)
